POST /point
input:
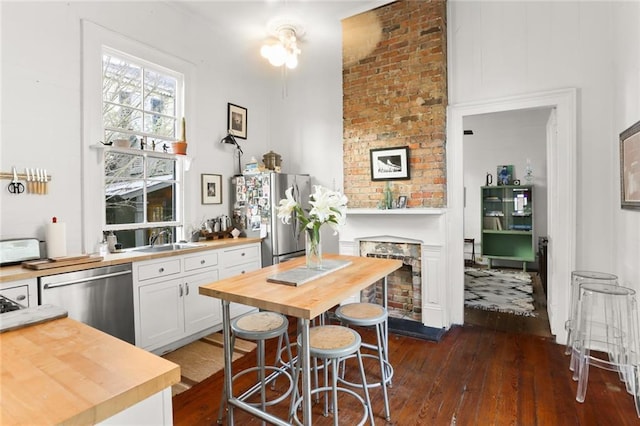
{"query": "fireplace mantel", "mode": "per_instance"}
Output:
(413, 211)
(424, 225)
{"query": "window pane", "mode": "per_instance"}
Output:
(161, 168)
(121, 165)
(120, 117)
(160, 125)
(121, 82)
(161, 197)
(124, 201)
(159, 93)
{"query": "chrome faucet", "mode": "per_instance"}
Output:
(154, 236)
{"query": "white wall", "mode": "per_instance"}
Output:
(625, 112)
(510, 137)
(500, 49)
(41, 104)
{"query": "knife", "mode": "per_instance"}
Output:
(45, 178)
(39, 181)
(26, 169)
(33, 180)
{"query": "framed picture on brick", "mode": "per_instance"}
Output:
(390, 163)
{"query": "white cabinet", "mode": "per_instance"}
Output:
(170, 310)
(168, 305)
(240, 260)
(160, 314)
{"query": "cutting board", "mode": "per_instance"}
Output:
(61, 261)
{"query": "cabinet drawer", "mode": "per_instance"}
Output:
(242, 269)
(241, 255)
(158, 269)
(201, 260)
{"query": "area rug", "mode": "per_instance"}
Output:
(203, 358)
(499, 290)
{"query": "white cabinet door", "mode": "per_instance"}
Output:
(236, 309)
(161, 313)
(200, 311)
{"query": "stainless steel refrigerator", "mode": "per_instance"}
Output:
(255, 212)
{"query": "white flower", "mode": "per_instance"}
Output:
(326, 207)
(286, 207)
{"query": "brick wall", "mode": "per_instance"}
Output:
(395, 95)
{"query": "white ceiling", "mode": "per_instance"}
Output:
(249, 20)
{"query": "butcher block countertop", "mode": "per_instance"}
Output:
(17, 272)
(65, 372)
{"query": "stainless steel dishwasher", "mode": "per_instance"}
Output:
(99, 297)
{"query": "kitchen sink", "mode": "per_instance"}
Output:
(167, 247)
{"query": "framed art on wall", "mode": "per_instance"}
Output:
(630, 167)
(504, 175)
(211, 189)
(390, 163)
(237, 120)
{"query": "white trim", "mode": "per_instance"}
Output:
(562, 198)
(94, 37)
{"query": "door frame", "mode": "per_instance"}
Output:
(561, 180)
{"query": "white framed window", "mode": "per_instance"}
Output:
(133, 104)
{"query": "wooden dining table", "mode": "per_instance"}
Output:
(305, 302)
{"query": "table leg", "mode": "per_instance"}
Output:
(305, 360)
(226, 334)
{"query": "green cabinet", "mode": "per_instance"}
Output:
(507, 223)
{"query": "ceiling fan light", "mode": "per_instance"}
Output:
(277, 55)
(292, 61)
(265, 51)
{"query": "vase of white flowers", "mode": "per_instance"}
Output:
(326, 207)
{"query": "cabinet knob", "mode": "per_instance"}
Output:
(180, 289)
(242, 254)
(186, 286)
(161, 270)
(202, 262)
(242, 272)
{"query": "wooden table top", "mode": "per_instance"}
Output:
(65, 372)
(308, 300)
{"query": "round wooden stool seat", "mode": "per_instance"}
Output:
(362, 314)
(259, 325)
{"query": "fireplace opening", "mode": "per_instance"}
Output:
(404, 286)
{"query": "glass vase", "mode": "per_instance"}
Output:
(313, 250)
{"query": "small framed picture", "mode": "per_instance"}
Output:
(630, 167)
(237, 121)
(211, 189)
(390, 163)
(504, 175)
(402, 201)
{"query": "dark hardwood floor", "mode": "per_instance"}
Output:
(497, 369)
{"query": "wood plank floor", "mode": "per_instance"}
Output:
(505, 371)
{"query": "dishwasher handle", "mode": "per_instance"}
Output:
(84, 280)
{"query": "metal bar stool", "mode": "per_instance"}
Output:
(578, 277)
(606, 336)
(260, 326)
(367, 315)
(332, 343)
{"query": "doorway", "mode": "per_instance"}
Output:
(560, 148)
(516, 138)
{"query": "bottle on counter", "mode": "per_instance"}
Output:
(112, 240)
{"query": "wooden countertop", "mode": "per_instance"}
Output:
(65, 372)
(17, 272)
(308, 300)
